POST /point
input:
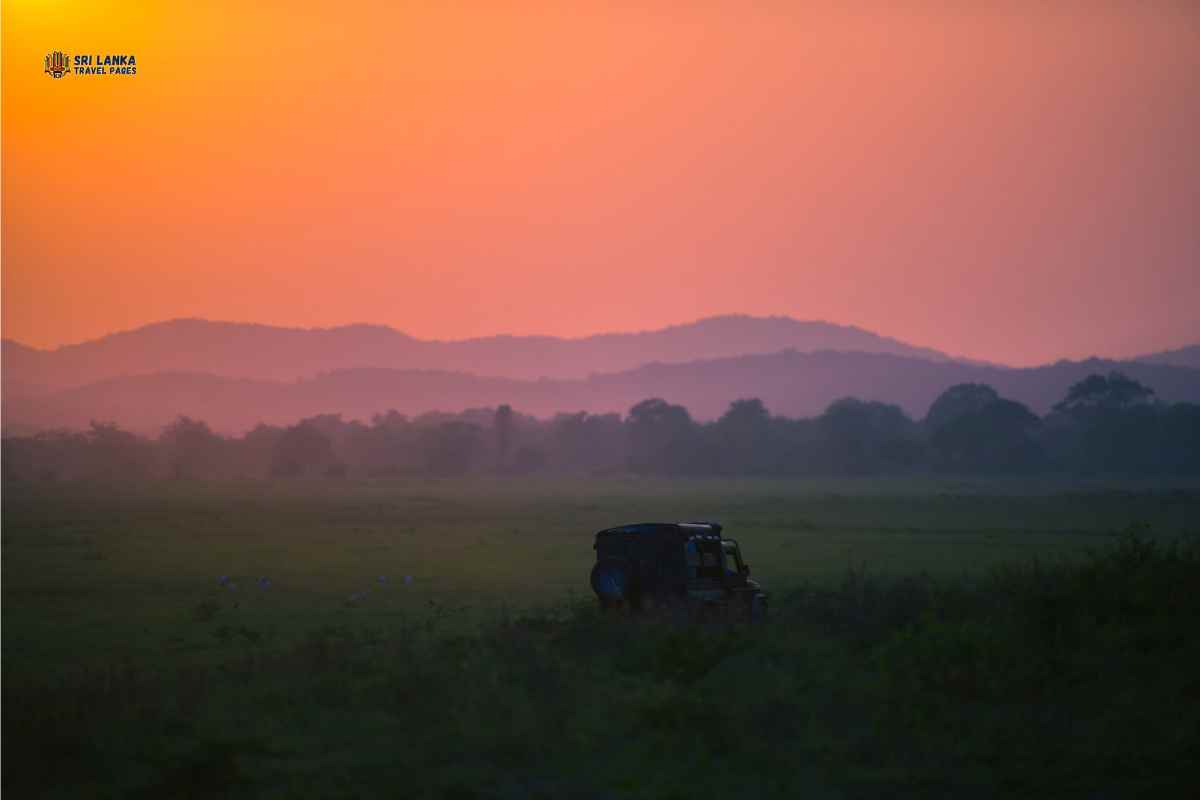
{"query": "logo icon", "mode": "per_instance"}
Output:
(57, 64)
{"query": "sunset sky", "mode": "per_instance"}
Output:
(1018, 185)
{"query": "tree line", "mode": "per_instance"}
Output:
(1106, 424)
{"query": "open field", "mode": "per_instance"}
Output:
(98, 572)
(132, 667)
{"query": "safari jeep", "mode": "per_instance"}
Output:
(680, 566)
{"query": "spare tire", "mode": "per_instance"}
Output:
(614, 582)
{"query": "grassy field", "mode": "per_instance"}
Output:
(435, 638)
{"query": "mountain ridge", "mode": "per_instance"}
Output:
(255, 350)
(1186, 356)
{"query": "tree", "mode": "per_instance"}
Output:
(392, 445)
(662, 437)
(1108, 424)
(529, 459)
(114, 452)
(745, 419)
(502, 424)
(858, 437)
(303, 450)
(591, 442)
(256, 450)
(451, 447)
(959, 401)
(971, 428)
(192, 449)
(1180, 451)
(47, 455)
(741, 439)
(1098, 393)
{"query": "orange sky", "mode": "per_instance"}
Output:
(1017, 186)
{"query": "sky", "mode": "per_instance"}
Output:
(1015, 182)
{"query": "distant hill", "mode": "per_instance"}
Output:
(262, 352)
(790, 383)
(1183, 357)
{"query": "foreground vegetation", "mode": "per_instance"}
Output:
(927, 639)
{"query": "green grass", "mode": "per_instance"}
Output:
(903, 656)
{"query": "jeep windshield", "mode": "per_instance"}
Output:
(732, 557)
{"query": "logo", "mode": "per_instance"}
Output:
(57, 64)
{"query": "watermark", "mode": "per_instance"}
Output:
(58, 64)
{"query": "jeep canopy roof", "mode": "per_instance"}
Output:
(682, 530)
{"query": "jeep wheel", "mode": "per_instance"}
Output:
(758, 608)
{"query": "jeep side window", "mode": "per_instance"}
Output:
(710, 560)
(692, 557)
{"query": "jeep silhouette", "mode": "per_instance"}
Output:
(680, 566)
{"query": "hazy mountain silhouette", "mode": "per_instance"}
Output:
(263, 352)
(1183, 357)
(789, 382)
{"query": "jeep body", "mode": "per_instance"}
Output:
(677, 565)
